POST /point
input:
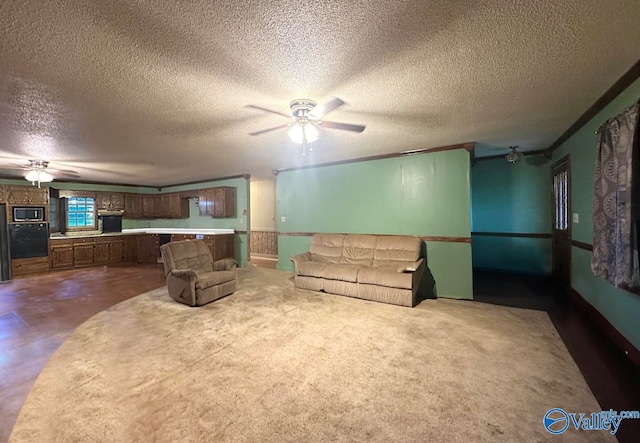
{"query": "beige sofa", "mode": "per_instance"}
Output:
(193, 278)
(383, 268)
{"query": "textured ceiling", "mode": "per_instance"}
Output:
(152, 92)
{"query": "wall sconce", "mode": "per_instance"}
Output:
(513, 156)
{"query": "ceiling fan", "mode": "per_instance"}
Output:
(306, 117)
(38, 171)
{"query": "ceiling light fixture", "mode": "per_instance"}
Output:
(513, 156)
(37, 174)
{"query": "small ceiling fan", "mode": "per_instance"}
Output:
(306, 117)
(38, 171)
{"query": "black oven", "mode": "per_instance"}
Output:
(27, 240)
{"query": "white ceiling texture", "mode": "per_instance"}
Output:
(153, 92)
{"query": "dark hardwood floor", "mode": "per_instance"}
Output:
(613, 379)
(38, 313)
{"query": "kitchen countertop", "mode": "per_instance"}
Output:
(185, 231)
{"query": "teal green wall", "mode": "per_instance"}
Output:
(620, 308)
(426, 194)
(512, 198)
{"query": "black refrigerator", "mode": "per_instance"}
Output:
(5, 256)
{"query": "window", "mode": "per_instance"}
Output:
(81, 213)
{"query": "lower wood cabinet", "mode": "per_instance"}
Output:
(221, 246)
(66, 253)
(129, 247)
(82, 254)
(61, 254)
(147, 248)
(89, 251)
(108, 249)
(25, 266)
(224, 246)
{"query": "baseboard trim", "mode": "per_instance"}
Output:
(609, 330)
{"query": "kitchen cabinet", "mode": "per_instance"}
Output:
(83, 252)
(108, 249)
(224, 246)
(101, 253)
(115, 249)
(132, 206)
(129, 247)
(26, 195)
(61, 254)
(147, 248)
(25, 266)
(217, 202)
(172, 206)
(110, 201)
(151, 206)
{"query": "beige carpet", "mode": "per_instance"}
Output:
(271, 363)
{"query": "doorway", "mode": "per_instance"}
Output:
(561, 223)
(263, 242)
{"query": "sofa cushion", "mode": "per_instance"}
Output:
(380, 277)
(397, 247)
(326, 248)
(358, 249)
(342, 272)
(311, 269)
(208, 279)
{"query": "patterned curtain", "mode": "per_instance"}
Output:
(614, 205)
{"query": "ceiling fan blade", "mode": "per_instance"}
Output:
(58, 173)
(343, 126)
(17, 166)
(268, 130)
(259, 108)
(322, 110)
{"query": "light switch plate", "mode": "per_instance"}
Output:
(576, 219)
(283, 219)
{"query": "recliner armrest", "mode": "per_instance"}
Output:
(299, 259)
(184, 274)
(226, 264)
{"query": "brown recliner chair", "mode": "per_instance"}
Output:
(193, 278)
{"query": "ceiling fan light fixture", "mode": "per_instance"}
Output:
(297, 130)
(38, 174)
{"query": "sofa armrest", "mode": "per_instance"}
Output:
(299, 259)
(414, 266)
(226, 264)
(417, 269)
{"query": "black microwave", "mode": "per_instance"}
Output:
(28, 214)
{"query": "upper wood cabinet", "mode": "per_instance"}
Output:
(149, 206)
(110, 201)
(132, 206)
(217, 202)
(164, 206)
(173, 206)
(26, 195)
